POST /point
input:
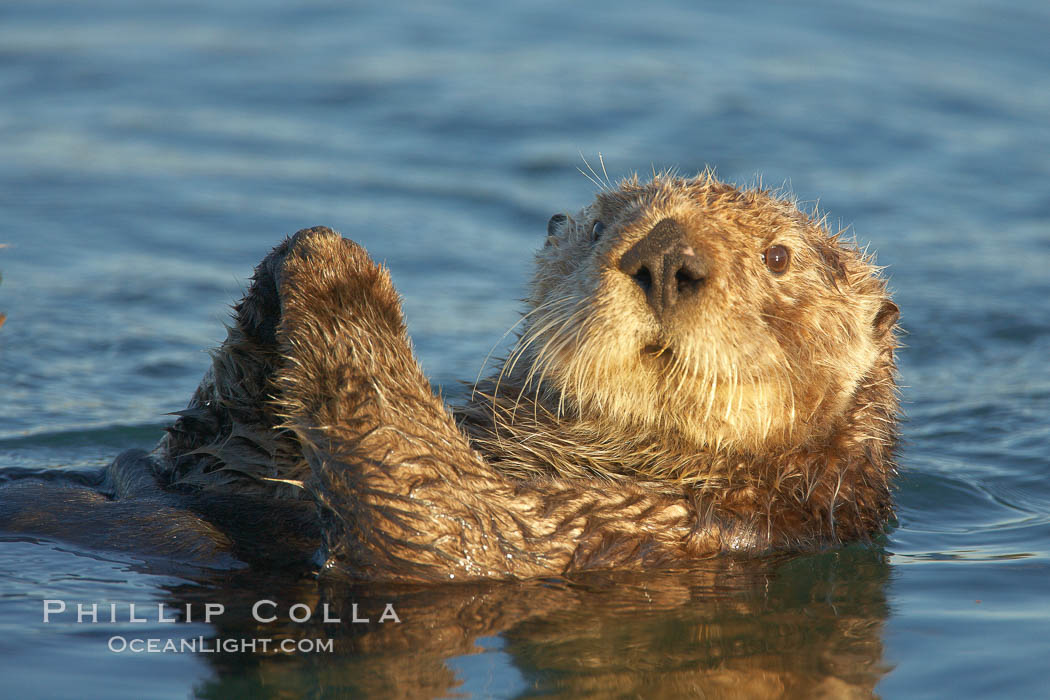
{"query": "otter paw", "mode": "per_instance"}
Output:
(258, 313)
(328, 279)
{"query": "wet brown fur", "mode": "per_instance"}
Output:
(760, 416)
(772, 396)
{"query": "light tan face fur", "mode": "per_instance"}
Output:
(753, 361)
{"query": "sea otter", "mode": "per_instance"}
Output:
(700, 369)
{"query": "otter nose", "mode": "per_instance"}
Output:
(665, 266)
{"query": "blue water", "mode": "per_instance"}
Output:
(151, 153)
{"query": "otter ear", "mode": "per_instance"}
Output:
(885, 318)
(554, 227)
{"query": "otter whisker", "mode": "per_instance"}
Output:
(596, 183)
(583, 331)
(531, 336)
(522, 345)
(555, 335)
(542, 307)
(601, 160)
(595, 179)
(537, 334)
(545, 359)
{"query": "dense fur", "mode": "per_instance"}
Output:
(757, 414)
(772, 395)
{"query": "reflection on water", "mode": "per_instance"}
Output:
(795, 627)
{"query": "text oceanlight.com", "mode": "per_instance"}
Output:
(203, 645)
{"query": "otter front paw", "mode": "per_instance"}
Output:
(259, 312)
(230, 434)
(341, 331)
(326, 280)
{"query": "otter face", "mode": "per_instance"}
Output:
(724, 317)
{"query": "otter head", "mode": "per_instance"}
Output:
(726, 318)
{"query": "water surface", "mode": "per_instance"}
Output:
(150, 155)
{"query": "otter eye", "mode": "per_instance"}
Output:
(597, 229)
(777, 258)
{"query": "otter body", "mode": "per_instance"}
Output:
(701, 369)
